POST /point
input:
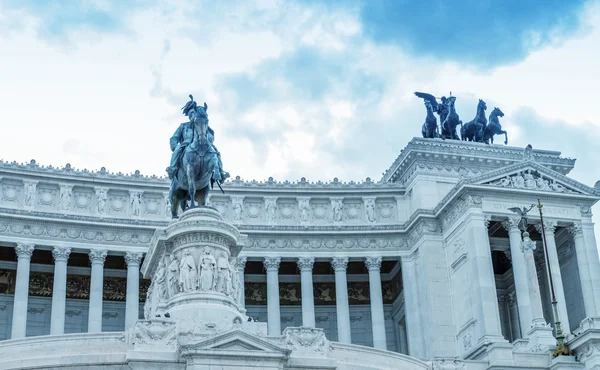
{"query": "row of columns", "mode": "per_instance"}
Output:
(98, 257)
(59, 289)
(339, 265)
(526, 288)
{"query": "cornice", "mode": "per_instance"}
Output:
(479, 155)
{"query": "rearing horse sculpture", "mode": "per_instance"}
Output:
(430, 127)
(473, 130)
(494, 127)
(452, 120)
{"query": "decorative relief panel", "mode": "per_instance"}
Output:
(11, 192)
(253, 209)
(151, 205)
(320, 212)
(353, 211)
(7, 281)
(82, 198)
(117, 203)
(47, 197)
(386, 211)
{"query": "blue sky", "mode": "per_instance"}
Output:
(315, 89)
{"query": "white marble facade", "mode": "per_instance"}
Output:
(472, 297)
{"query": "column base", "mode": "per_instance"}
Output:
(541, 337)
(585, 343)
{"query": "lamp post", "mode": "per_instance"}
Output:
(562, 349)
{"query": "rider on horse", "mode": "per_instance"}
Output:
(184, 135)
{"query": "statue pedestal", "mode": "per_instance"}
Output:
(194, 277)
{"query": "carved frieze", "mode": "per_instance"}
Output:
(327, 243)
(531, 180)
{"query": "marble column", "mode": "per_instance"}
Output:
(340, 264)
(585, 278)
(412, 307)
(549, 227)
(504, 316)
(519, 274)
(97, 258)
(132, 298)
(403, 345)
(541, 332)
(19, 319)
(305, 264)
(513, 313)
(377, 318)
(589, 238)
(241, 266)
(59, 290)
(273, 313)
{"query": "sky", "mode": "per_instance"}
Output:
(310, 88)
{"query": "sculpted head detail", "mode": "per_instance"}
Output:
(207, 250)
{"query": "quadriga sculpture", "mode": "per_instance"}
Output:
(494, 127)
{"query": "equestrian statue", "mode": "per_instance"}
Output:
(195, 163)
(473, 130)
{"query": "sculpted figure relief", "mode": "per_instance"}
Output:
(29, 194)
(207, 270)
(173, 277)
(136, 202)
(223, 281)
(271, 210)
(370, 210)
(235, 281)
(337, 208)
(238, 209)
(101, 201)
(187, 273)
(195, 163)
(304, 210)
(66, 195)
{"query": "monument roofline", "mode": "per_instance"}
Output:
(468, 154)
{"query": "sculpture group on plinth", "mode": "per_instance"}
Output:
(479, 129)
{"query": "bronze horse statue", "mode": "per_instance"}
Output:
(473, 130)
(430, 127)
(452, 120)
(199, 165)
(494, 127)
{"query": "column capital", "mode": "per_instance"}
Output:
(339, 263)
(272, 263)
(306, 263)
(61, 254)
(511, 223)
(98, 256)
(240, 263)
(411, 257)
(549, 227)
(373, 263)
(511, 298)
(486, 220)
(133, 258)
(575, 229)
(24, 250)
(527, 245)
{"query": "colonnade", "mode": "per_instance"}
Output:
(97, 258)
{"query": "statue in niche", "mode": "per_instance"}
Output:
(187, 273)
(172, 277)
(195, 163)
(271, 212)
(304, 210)
(66, 195)
(370, 210)
(238, 210)
(207, 271)
(223, 280)
(136, 202)
(101, 201)
(337, 208)
(29, 194)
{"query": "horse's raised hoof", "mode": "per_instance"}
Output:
(506, 142)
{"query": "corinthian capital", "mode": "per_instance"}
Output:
(339, 263)
(511, 223)
(240, 263)
(549, 227)
(61, 254)
(306, 263)
(272, 263)
(98, 255)
(24, 250)
(373, 263)
(575, 229)
(133, 258)
(527, 245)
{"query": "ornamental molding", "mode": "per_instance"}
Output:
(52, 231)
(325, 243)
(468, 155)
